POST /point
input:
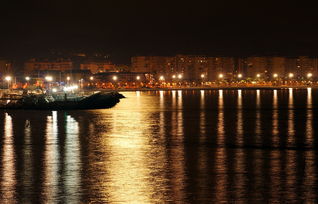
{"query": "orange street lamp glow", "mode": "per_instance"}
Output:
(91, 78)
(138, 77)
(179, 76)
(161, 78)
(258, 75)
(290, 75)
(27, 78)
(202, 76)
(173, 76)
(239, 75)
(114, 78)
(68, 78)
(221, 76)
(275, 75)
(309, 75)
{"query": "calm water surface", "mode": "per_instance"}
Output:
(166, 146)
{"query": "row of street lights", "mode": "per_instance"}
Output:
(240, 76)
(161, 78)
(68, 78)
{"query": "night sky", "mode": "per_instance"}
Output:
(127, 28)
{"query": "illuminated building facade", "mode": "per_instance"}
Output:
(98, 66)
(46, 64)
(190, 67)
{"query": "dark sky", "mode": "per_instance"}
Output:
(135, 27)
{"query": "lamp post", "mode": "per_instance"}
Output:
(8, 79)
(49, 79)
(239, 76)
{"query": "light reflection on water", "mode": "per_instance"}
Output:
(166, 146)
(8, 173)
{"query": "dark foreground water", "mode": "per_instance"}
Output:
(158, 147)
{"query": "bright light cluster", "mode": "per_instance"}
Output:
(8, 78)
(70, 88)
(49, 78)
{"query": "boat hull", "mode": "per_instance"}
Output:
(95, 101)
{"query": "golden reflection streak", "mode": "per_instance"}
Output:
(220, 127)
(291, 130)
(258, 116)
(174, 98)
(51, 158)
(178, 153)
(202, 116)
(27, 161)
(239, 127)
(131, 176)
(275, 131)
(310, 176)
(221, 155)
(161, 114)
(8, 177)
(72, 160)
(309, 125)
(138, 93)
(221, 194)
(202, 152)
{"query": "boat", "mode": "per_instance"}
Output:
(64, 101)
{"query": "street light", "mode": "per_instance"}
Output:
(179, 76)
(91, 78)
(115, 78)
(221, 76)
(290, 75)
(138, 77)
(8, 79)
(161, 78)
(275, 75)
(258, 75)
(202, 76)
(239, 76)
(49, 78)
(173, 76)
(27, 78)
(309, 75)
(68, 78)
